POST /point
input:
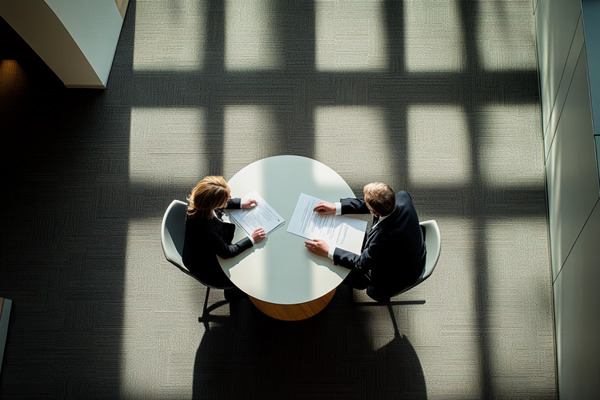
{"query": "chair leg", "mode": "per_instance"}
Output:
(396, 331)
(203, 317)
(205, 301)
(206, 317)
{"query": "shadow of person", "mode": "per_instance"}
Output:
(395, 372)
(252, 356)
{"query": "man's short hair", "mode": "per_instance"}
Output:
(380, 197)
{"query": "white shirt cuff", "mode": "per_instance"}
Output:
(331, 251)
(338, 208)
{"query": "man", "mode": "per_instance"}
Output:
(393, 253)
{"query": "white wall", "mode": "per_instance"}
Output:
(573, 191)
(77, 39)
(95, 25)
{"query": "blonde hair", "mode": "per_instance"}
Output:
(210, 193)
(380, 197)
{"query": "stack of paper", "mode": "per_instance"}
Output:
(341, 231)
(260, 216)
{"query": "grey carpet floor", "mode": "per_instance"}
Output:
(439, 98)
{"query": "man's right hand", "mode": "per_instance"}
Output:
(317, 246)
(325, 208)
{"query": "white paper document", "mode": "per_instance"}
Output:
(260, 216)
(341, 231)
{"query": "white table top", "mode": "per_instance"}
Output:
(280, 269)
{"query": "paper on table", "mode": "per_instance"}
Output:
(260, 216)
(341, 231)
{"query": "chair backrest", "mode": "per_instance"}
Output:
(433, 242)
(434, 246)
(173, 233)
(172, 236)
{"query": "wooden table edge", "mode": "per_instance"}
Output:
(293, 312)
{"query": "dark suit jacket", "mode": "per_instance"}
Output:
(393, 254)
(204, 240)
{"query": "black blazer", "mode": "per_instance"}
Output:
(205, 239)
(393, 253)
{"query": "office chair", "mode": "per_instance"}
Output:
(431, 232)
(172, 237)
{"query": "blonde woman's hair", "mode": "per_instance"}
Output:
(210, 193)
(380, 197)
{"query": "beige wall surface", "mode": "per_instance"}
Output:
(77, 39)
(571, 169)
(573, 193)
(122, 6)
(39, 26)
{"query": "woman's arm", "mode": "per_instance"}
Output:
(221, 248)
(234, 203)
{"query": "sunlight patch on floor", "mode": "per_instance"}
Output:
(165, 145)
(169, 36)
(501, 45)
(345, 134)
(251, 37)
(509, 145)
(519, 299)
(161, 333)
(350, 36)
(251, 133)
(433, 36)
(440, 132)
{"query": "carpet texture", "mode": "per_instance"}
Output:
(439, 98)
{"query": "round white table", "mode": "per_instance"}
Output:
(281, 277)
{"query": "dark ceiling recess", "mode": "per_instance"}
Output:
(12, 46)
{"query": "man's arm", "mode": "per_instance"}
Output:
(361, 262)
(354, 206)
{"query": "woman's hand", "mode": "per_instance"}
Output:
(317, 246)
(325, 208)
(249, 203)
(258, 235)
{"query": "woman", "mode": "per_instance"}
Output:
(208, 236)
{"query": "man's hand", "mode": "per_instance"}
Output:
(249, 203)
(325, 208)
(317, 246)
(258, 235)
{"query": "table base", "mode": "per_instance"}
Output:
(293, 312)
